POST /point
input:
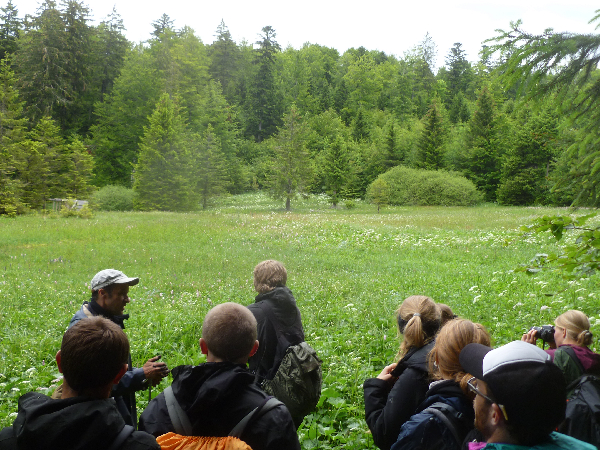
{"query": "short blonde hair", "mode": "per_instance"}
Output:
(577, 325)
(455, 335)
(268, 275)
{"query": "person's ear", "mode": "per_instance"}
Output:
(58, 361)
(496, 414)
(254, 349)
(121, 373)
(203, 346)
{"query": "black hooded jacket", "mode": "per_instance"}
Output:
(77, 423)
(216, 396)
(281, 302)
(387, 407)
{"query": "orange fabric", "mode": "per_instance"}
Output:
(173, 441)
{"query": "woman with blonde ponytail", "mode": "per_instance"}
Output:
(571, 329)
(392, 397)
(448, 392)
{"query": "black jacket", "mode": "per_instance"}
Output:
(282, 304)
(387, 407)
(216, 396)
(77, 423)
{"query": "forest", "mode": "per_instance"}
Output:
(180, 121)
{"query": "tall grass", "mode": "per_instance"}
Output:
(349, 271)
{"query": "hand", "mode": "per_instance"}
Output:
(386, 373)
(155, 371)
(530, 337)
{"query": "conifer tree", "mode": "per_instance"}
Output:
(484, 151)
(162, 173)
(210, 174)
(290, 167)
(337, 169)
(12, 129)
(10, 29)
(430, 154)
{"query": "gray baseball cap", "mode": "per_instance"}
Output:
(107, 277)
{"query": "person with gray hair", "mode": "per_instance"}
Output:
(110, 295)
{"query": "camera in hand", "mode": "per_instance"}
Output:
(545, 333)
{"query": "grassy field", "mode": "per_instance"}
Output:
(349, 271)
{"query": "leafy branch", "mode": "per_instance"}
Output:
(581, 258)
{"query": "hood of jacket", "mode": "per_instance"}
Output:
(202, 389)
(75, 423)
(282, 303)
(449, 392)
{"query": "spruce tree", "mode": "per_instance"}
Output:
(12, 129)
(210, 172)
(336, 169)
(162, 173)
(484, 152)
(290, 166)
(431, 150)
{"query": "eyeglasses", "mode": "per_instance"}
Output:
(472, 383)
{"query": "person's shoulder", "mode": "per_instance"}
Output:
(563, 442)
(140, 440)
(82, 313)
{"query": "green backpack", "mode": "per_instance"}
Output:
(298, 379)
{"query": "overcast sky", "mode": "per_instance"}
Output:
(390, 26)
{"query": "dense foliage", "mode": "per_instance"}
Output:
(80, 102)
(417, 187)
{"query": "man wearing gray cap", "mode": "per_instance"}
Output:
(110, 290)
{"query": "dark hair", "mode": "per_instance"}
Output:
(93, 352)
(108, 289)
(229, 330)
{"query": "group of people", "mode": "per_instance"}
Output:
(95, 407)
(448, 390)
(451, 390)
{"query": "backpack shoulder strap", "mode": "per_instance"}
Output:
(569, 351)
(121, 437)
(443, 412)
(266, 406)
(179, 419)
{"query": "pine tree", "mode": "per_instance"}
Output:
(484, 152)
(290, 167)
(526, 165)
(210, 174)
(12, 129)
(431, 150)
(224, 58)
(10, 29)
(162, 173)
(263, 106)
(79, 185)
(337, 169)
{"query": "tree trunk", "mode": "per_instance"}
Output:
(288, 205)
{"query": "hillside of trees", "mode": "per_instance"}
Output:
(181, 121)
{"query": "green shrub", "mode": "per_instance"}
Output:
(69, 209)
(419, 187)
(113, 198)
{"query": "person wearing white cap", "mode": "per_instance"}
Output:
(520, 398)
(110, 295)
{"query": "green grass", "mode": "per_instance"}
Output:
(349, 271)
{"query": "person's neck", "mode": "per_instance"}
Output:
(99, 393)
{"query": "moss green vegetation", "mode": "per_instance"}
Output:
(349, 270)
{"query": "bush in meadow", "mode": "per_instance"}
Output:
(417, 187)
(113, 198)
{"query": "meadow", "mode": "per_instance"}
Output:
(349, 270)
